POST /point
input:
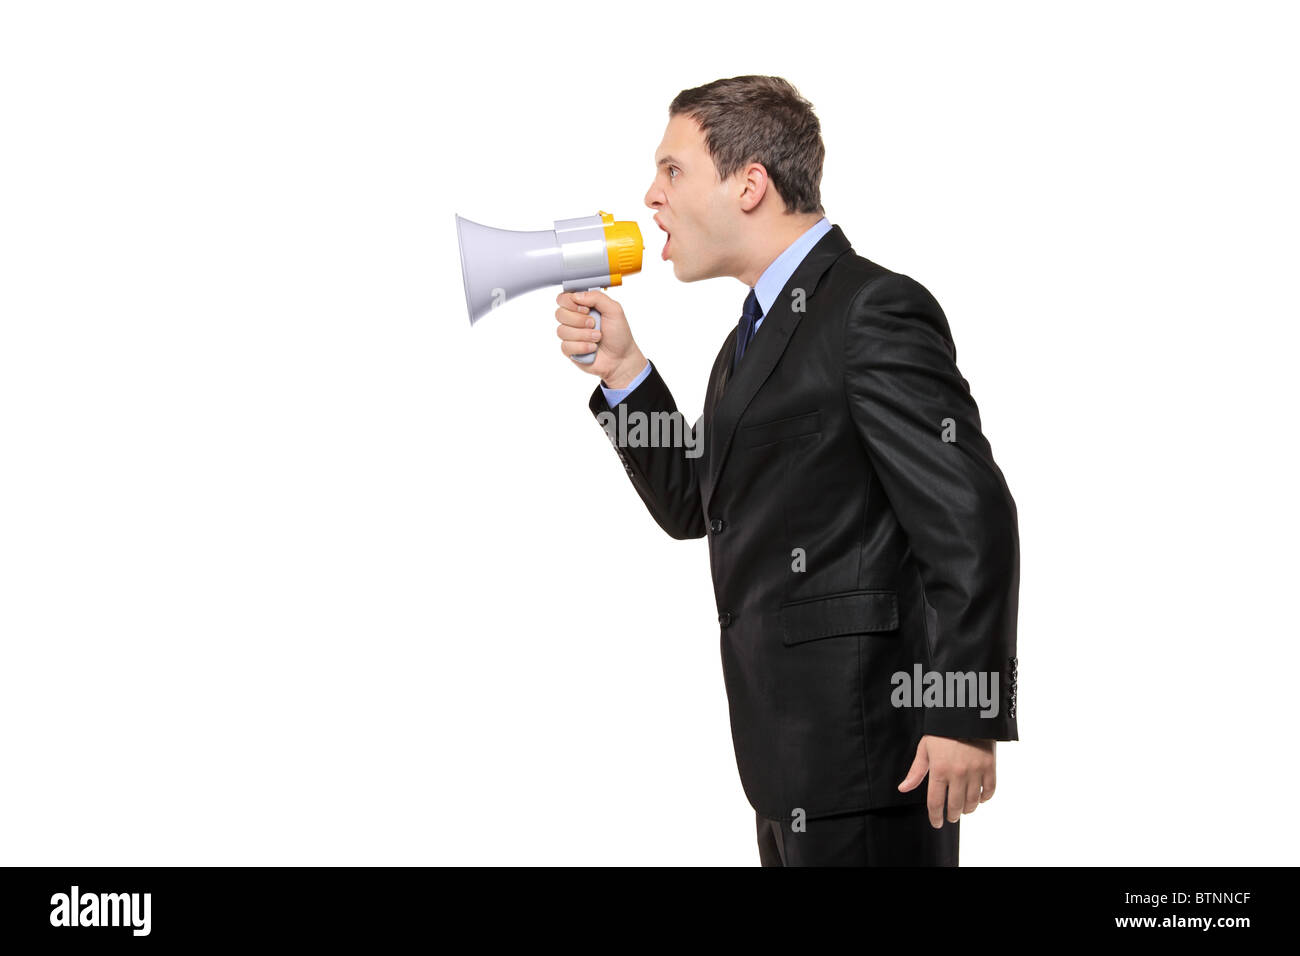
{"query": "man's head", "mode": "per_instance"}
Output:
(738, 176)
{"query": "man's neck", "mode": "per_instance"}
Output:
(774, 240)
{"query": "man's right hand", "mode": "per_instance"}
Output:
(618, 360)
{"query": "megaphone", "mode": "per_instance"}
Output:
(590, 252)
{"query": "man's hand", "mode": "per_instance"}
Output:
(959, 767)
(618, 360)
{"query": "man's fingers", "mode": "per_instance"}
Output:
(990, 782)
(934, 800)
(595, 299)
(566, 300)
(972, 794)
(577, 348)
(570, 334)
(956, 798)
(916, 772)
(575, 319)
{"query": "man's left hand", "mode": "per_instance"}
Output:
(963, 769)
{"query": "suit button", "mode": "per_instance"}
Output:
(725, 619)
(716, 525)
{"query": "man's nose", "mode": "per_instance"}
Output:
(651, 196)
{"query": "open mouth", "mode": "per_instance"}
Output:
(667, 242)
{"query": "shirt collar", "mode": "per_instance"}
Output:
(775, 276)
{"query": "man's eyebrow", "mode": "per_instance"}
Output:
(666, 160)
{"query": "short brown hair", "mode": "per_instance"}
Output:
(761, 119)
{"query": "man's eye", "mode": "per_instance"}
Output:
(671, 170)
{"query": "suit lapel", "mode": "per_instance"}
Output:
(728, 396)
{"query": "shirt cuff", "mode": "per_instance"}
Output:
(616, 395)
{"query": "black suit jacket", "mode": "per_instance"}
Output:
(849, 436)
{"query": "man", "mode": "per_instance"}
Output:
(863, 544)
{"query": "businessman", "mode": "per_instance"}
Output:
(863, 544)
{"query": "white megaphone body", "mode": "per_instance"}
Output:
(591, 252)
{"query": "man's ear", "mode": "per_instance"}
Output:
(755, 184)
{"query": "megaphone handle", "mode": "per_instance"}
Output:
(589, 357)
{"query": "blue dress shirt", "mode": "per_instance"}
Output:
(769, 286)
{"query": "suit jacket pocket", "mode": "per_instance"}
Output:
(848, 612)
(767, 432)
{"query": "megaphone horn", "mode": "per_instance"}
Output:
(590, 252)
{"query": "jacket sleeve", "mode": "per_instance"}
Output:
(920, 426)
(660, 452)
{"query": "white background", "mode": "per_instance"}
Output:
(295, 567)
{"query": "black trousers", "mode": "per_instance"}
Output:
(893, 836)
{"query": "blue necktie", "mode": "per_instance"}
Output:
(745, 330)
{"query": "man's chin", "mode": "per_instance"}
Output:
(683, 273)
